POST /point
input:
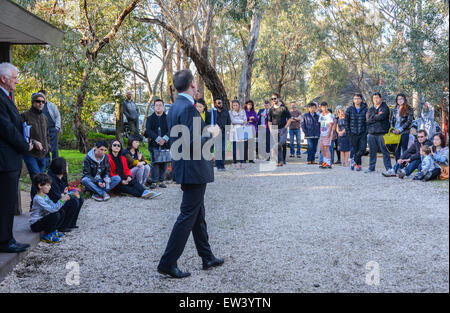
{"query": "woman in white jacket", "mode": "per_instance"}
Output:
(238, 119)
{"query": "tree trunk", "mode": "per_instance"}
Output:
(204, 67)
(416, 103)
(93, 46)
(200, 85)
(80, 131)
(249, 57)
(119, 119)
(178, 62)
(169, 71)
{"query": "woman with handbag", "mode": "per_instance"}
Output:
(238, 119)
(157, 133)
(401, 120)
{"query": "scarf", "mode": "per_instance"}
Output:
(119, 166)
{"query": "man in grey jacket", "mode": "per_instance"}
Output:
(54, 125)
(131, 112)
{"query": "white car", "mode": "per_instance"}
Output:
(105, 117)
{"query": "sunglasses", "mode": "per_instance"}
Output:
(40, 101)
(420, 136)
(116, 145)
(274, 99)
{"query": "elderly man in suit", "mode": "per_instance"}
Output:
(193, 173)
(12, 146)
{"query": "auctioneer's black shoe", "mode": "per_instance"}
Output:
(12, 248)
(174, 272)
(213, 263)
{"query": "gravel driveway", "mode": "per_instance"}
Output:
(294, 229)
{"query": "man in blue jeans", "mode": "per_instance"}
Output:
(36, 160)
(96, 174)
(294, 130)
(411, 160)
(311, 127)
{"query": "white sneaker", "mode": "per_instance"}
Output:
(389, 173)
(106, 197)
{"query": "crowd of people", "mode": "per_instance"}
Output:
(33, 137)
(354, 129)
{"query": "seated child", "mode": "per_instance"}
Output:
(46, 215)
(428, 169)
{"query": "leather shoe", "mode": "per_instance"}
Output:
(12, 248)
(213, 263)
(174, 272)
(19, 244)
(22, 245)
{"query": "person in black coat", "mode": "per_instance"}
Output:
(401, 119)
(263, 120)
(60, 186)
(356, 126)
(221, 118)
(193, 173)
(378, 126)
(12, 146)
(311, 128)
(158, 138)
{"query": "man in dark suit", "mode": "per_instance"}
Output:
(12, 146)
(193, 173)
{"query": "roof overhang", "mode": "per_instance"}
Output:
(19, 26)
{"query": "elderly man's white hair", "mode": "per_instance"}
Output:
(6, 69)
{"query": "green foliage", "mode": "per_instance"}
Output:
(284, 49)
(327, 78)
(307, 48)
(417, 55)
(59, 69)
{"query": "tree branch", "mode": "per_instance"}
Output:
(115, 28)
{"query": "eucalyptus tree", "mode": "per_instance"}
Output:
(191, 24)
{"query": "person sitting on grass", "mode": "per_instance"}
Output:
(96, 173)
(139, 166)
(58, 173)
(46, 215)
(428, 170)
(119, 168)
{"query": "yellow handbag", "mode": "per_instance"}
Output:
(392, 139)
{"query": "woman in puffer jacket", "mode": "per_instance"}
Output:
(401, 119)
